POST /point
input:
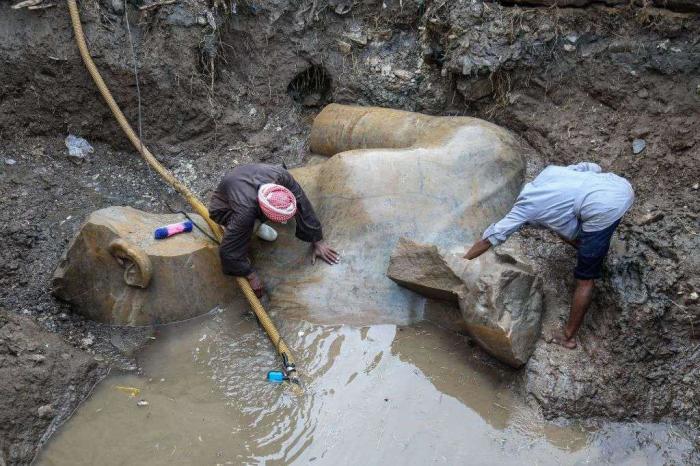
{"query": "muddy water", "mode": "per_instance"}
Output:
(380, 394)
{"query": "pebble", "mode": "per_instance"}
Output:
(693, 296)
(403, 74)
(638, 145)
(38, 358)
(569, 47)
(118, 6)
(344, 47)
(10, 161)
(45, 411)
(650, 217)
(88, 340)
(696, 186)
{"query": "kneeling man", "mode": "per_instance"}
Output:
(248, 196)
(583, 206)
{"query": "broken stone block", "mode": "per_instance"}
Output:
(115, 272)
(498, 293)
(390, 174)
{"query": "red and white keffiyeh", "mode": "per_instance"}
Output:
(277, 202)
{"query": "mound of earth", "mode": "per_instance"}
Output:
(59, 375)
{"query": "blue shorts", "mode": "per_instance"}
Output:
(592, 249)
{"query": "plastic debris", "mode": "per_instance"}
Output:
(10, 161)
(276, 376)
(78, 147)
(131, 391)
(174, 229)
(142, 403)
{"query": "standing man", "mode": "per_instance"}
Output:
(583, 206)
(256, 193)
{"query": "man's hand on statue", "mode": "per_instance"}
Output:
(478, 249)
(256, 284)
(325, 252)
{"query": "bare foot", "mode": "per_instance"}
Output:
(560, 339)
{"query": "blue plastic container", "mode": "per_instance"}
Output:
(276, 376)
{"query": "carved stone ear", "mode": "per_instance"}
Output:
(137, 265)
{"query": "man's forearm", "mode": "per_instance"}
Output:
(478, 249)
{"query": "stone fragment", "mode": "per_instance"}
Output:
(569, 47)
(403, 74)
(650, 217)
(37, 358)
(87, 341)
(358, 37)
(114, 271)
(499, 295)
(117, 6)
(344, 47)
(45, 411)
(638, 145)
(421, 268)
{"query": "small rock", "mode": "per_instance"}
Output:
(117, 6)
(569, 47)
(642, 93)
(38, 358)
(572, 38)
(88, 340)
(638, 145)
(403, 74)
(211, 21)
(696, 186)
(650, 217)
(78, 148)
(10, 161)
(45, 412)
(386, 70)
(357, 37)
(693, 296)
(341, 7)
(344, 47)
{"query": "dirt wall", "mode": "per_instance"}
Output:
(222, 86)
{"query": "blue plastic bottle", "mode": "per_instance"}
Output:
(276, 376)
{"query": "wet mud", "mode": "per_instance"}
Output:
(373, 394)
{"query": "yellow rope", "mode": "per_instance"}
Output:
(196, 204)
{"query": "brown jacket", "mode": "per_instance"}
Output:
(234, 205)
